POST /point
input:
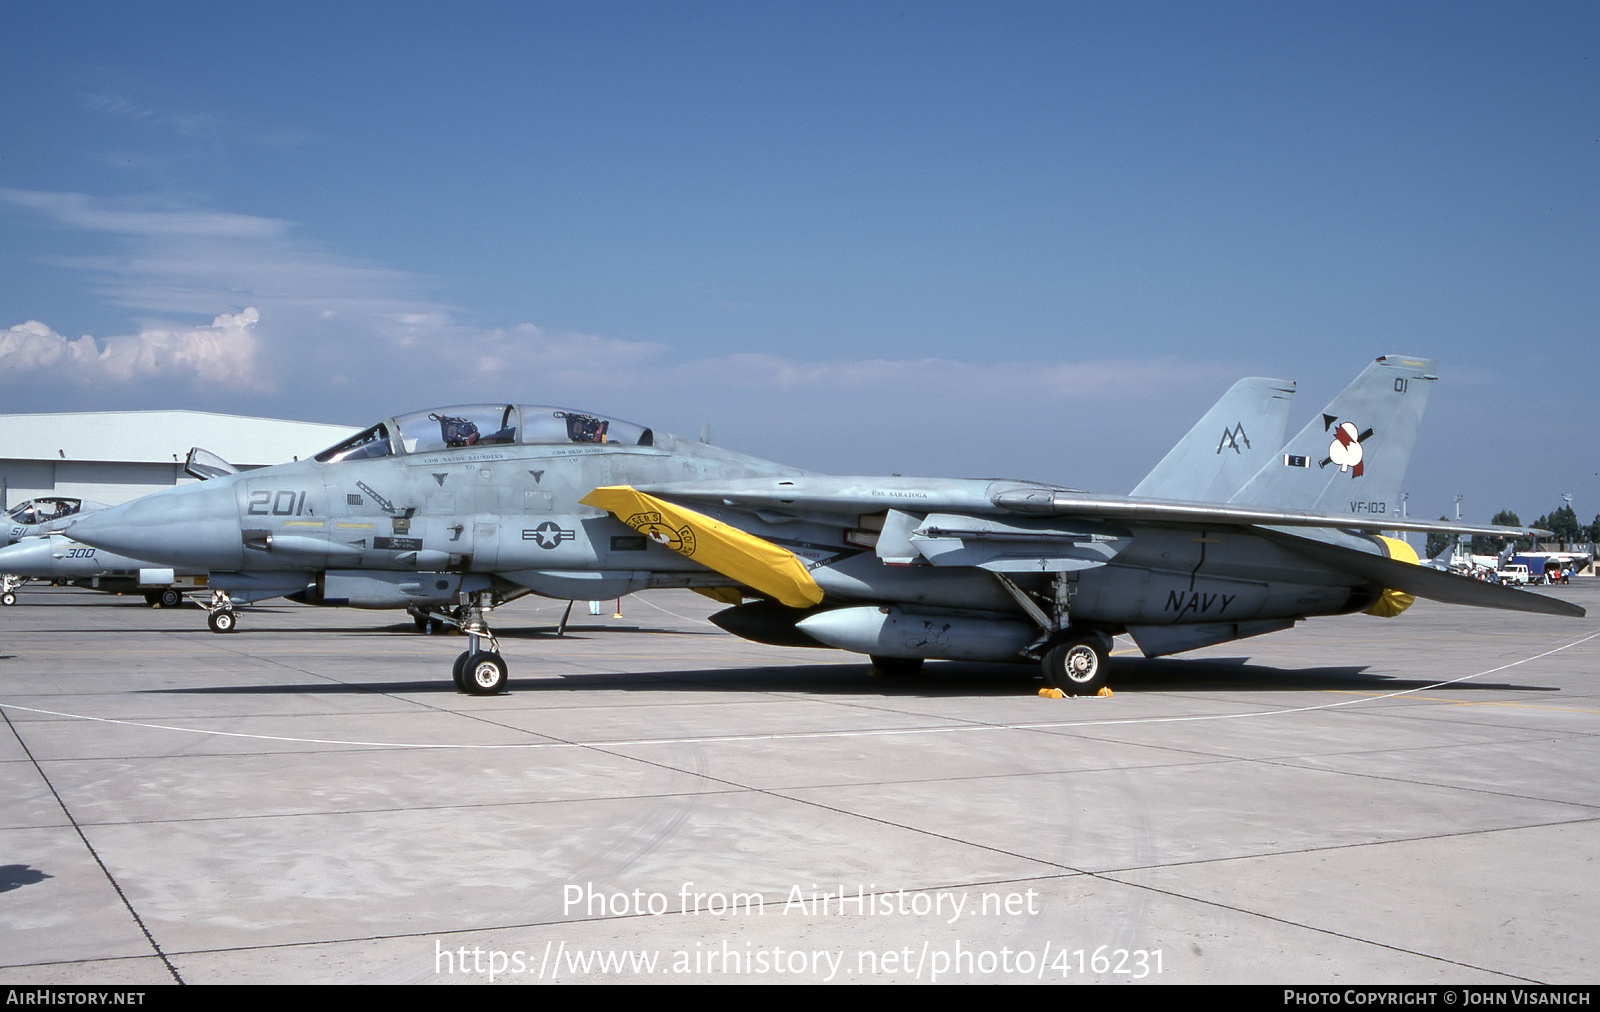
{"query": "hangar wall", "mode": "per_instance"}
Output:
(113, 456)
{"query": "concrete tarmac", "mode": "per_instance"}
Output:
(1359, 800)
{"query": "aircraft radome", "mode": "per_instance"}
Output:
(453, 511)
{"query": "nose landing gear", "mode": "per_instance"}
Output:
(221, 617)
(480, 671)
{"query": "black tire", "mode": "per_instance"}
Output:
(1078, 665)
(484, 674)
(170, 598)
(458, 669)
(421, 622)
(896, 667)
(223, 621)
(8, 599)
(152, 598)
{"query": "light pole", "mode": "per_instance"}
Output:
(1458, 537)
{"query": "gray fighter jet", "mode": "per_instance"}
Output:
(44, 514)
(59, 559)
(1217, 453)
(468, 507)
(35, 518)
(32, 551)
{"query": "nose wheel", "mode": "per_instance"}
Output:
(481, 674)
(222, 618)
(481, 671)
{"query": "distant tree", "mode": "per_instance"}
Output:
(1563, 523)
(1437, 541)
(1592, 532)
(1484, 544)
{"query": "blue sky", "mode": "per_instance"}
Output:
(950, 239)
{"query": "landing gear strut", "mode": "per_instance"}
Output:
(8, 589)
(1075, 659)
(480, 671)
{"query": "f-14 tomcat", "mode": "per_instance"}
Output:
(456, 510)
(35, 518)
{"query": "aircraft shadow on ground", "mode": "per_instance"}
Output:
(937, 680)
(15, 876)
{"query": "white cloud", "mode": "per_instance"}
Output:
(143, 217)
(223, 354)
(336, 338)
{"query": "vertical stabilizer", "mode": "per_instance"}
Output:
(1352, 457)
(1233, 440)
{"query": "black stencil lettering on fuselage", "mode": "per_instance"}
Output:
(1197, 602)
(397, 544)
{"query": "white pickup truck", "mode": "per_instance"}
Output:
(1514, 575)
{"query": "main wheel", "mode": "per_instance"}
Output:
(1078, 665)
(152, 597)
(8, 599)
(170, 598)
(484, 674)
(222, 621)
(896, 667)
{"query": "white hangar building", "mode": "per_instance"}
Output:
(113, 456)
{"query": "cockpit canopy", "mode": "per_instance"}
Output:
(484, 425)
(44, 509)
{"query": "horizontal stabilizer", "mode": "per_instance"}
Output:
(1422, 581)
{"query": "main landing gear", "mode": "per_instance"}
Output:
(480, 671)
(171, 597)
(1075, 659)
(1077, 662)
(8, 589)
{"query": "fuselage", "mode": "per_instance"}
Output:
(404, 501)
(433, 504)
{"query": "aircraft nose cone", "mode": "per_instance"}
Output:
(192, 527)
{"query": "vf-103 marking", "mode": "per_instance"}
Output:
(1212, 546)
